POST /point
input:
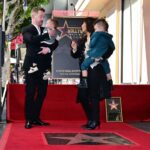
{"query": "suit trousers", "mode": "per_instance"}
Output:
(36, 89)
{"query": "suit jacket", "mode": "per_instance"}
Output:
(33, 44)
(44, 61)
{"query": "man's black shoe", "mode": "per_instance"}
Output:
(28, 125)
(40, 123)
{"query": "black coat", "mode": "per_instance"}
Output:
(33, 45)
(97, 81)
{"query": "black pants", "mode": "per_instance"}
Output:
(91, 109)
(90, 97)
(36, 89)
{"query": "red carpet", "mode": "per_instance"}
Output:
(60, 103)
(18, 138)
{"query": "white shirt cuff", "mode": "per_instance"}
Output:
(49, 50)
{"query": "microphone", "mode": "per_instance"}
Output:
(72, 4)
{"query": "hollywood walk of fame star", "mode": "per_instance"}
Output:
(82, 138)
(113, 105)
(93, 139)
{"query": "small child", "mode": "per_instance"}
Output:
(51, 24)
(100, 44)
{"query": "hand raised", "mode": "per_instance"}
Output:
(74, 45)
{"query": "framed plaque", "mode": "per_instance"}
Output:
(114, 109)
(63, 64)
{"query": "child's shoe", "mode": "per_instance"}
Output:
(46, 75)
(33, 69)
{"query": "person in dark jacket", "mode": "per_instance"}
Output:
(98, 87)
(100, 43)
(36, 87)
(52, 43)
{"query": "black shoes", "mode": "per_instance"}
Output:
(87, 124)
(29, 124)
(40, 123)
(93, 125)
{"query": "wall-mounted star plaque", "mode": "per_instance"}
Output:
(63, 64)
(113, 109)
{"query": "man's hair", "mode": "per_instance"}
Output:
(102, 22)
(36, 9)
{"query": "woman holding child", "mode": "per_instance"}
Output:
(95, 79)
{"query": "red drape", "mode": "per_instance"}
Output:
(60, 103)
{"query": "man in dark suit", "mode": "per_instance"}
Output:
(36, 87)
